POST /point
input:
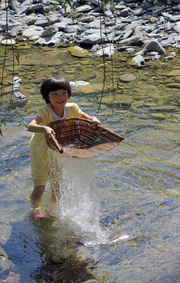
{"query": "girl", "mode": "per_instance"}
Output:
(56, 92)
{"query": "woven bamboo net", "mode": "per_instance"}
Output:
(82, 138)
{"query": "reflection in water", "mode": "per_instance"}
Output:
(61, 259)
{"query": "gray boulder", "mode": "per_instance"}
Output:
(154, 46)
(92, 39)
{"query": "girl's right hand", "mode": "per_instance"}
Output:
(48, 132)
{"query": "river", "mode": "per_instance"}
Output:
(136, 232)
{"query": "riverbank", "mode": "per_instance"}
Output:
(118, 25)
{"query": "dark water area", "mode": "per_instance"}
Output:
(135, 233)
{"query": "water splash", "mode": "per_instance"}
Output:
(73, 182)
(74, 185)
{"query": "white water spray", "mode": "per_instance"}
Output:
(73, 182)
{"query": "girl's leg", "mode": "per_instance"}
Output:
(36, 195)
(36, 199)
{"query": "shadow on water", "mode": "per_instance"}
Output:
(46, 251)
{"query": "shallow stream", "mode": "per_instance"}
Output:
(130, 230)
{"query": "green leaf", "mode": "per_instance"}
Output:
(69, 2)
(112, 4)
(54, 7)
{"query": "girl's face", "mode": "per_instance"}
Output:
(58, 98)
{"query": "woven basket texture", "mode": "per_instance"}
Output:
(82, 138)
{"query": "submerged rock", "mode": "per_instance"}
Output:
(5, 262)
(77, 51)
(125, 78)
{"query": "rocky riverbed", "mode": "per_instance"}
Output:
(115, 25)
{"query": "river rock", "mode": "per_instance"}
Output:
(154, 45)
(126, 78)
(92, 39)
(49, 31)
(119, 100)
(8, 42)
(41, 22)
(33, 32)
(30, 20)
(77, 51)
(87, 88)
(106, 51)
(61, 25)
(134, 40)
(84, 9)
(5, 262)
(50, 40)
(139, 60)
(176, 27)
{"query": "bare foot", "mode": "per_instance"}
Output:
(38, 213)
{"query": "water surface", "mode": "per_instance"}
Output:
(137, 209)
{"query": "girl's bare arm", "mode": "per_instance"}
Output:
(91, 118)
(35, 127)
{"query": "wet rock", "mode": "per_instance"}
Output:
(50, 40)
(87, 88)
(23, 46)
(119, 100)
(139, 60)
(19, 98)
(8, 42)
(5, 262)
(78, 51)
(125, 78)
(105, 51)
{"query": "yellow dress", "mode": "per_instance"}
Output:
(38, 145)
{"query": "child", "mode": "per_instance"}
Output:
(56, 92)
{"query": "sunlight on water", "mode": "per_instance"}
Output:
(73, 182)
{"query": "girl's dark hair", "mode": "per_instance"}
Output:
(52, 84)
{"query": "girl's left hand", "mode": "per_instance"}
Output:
(95, 120)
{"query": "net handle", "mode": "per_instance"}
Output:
(57, 144)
